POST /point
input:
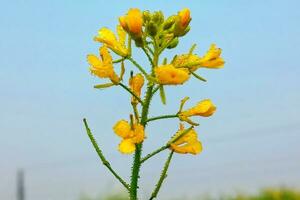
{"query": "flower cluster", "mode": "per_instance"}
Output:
(152, 33)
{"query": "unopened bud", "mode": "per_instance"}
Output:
(169, 22)
(151, 29)
(146, 16)
(158, 17)
(173, 43)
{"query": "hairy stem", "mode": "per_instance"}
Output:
(138, 66)
(163, 176)
(131, 92)
(154, 153)
(101, 156)
(161, 117)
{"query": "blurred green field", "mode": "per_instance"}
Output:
(265, 194)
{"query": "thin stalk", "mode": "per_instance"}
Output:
(198, 77)
(101, 156)
(135, 111)
(131, 92)
(155, 152)
(138, 66)
(163, 176)
(148, 56)
(161, 117)
(118, 60)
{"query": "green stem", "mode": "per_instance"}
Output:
(163, 176)
(101, 156)
(198, 77)
(161, 117)
(118, 60)
(135, 112)
(138, 66)
(138, 151)
(154, 153)
(131, 92)
(148, 56)
(145, 110)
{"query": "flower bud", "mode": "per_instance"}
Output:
(173, 43)
(169, 22)
(158, 17)
(146, 16)
(151, 29)
(132, 22)
(182, 22)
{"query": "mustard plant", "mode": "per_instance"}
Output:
(153, 34)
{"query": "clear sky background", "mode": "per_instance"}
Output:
(251, 142)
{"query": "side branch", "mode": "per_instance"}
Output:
(163, 176)
(101, 156)
(138, 66)
(172, 140)
(155, 152)
(162, 117)
(148, 56)
(131, 92)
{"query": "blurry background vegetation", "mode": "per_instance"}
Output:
(265, 194)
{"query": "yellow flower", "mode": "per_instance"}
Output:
(204, 108)
(169, 75)
(130, 135)
(188, 143)
(212, 58)
(183, 20)
(190, 61)
(132, 22)
(107, 37)
(136, 83)
(103, 66)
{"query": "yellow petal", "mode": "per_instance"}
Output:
(94, 60)
(122, 128)
(204, 108)
(106, 36)
(139, 134)
(212, 58)
(192, 148)
(169, 75)
(106, 57)
(127, 146)
(121, 35)
(188, 143)
(136, 83)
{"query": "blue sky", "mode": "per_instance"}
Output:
(251, 142)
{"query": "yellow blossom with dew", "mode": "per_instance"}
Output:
(103, 66)
(136, 83)
(170, 75)
(132, 22)
(107, 37)
(212, 58)
(204, 108)
(130, 135)
(188, 143)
